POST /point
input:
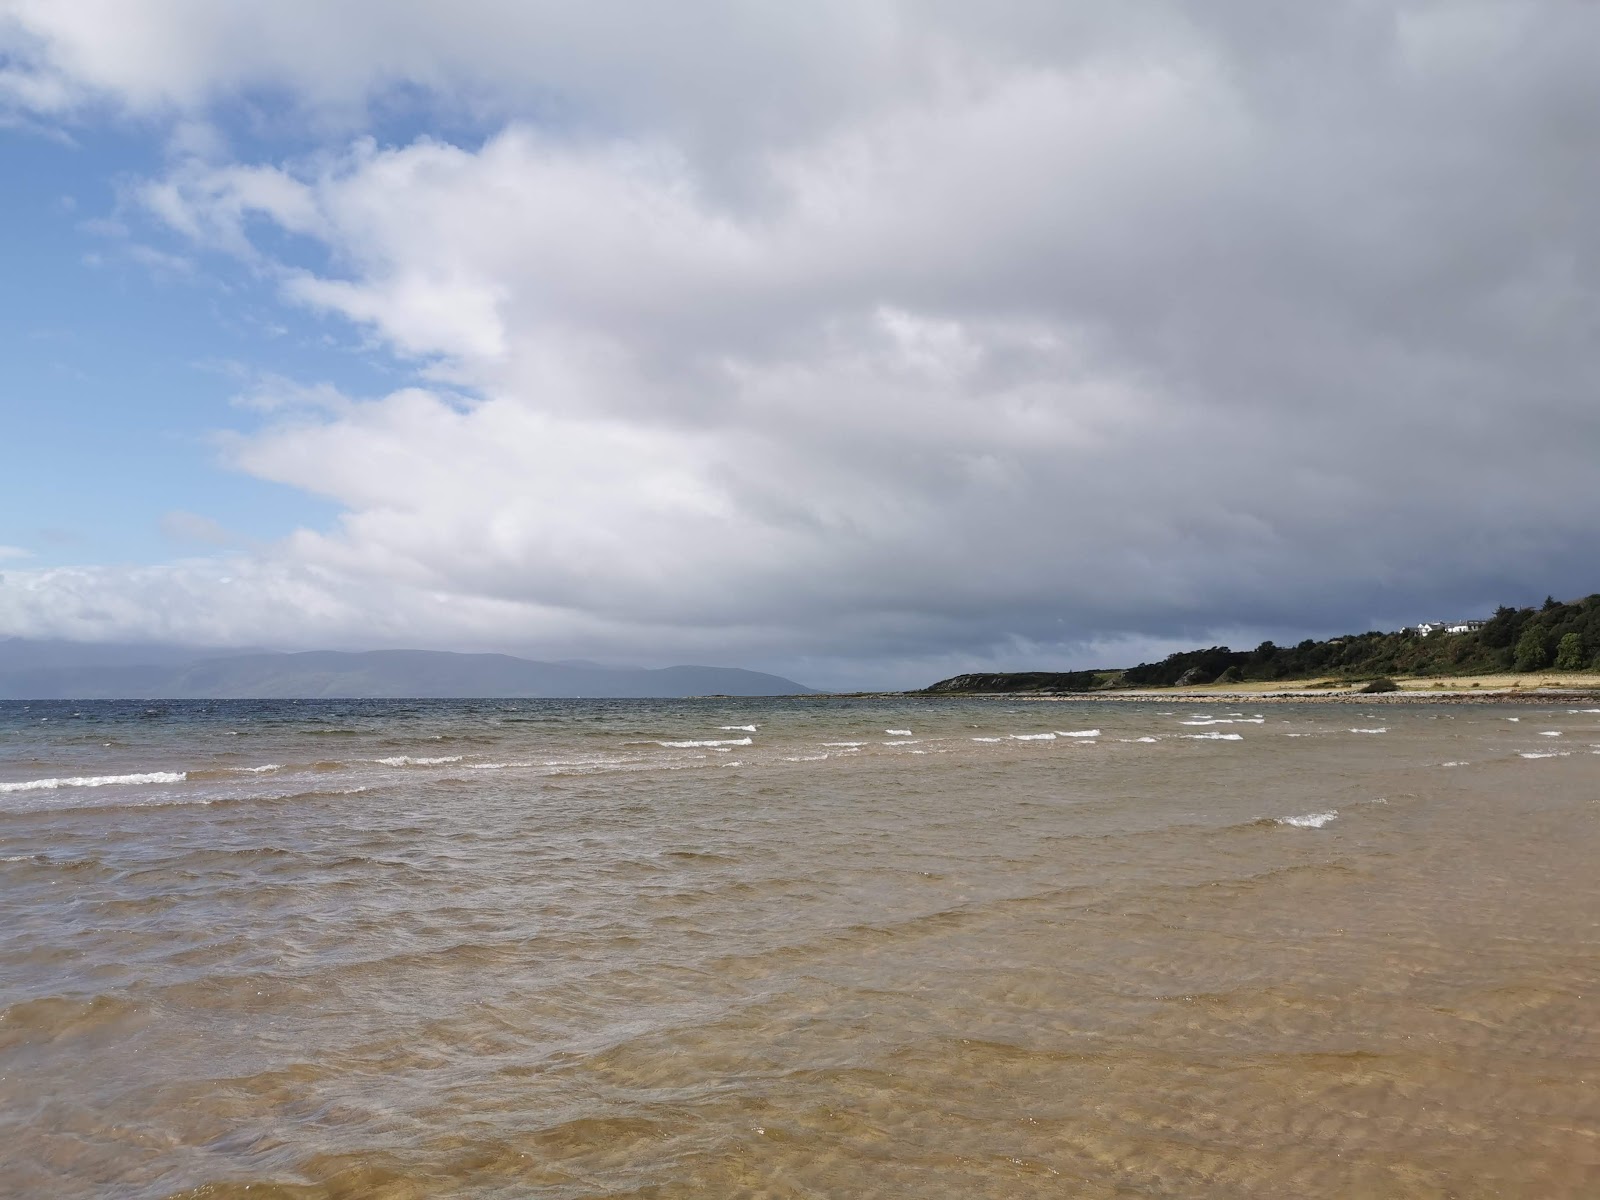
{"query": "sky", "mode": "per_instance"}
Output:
(867, 342)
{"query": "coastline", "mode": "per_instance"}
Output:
(1471, 689)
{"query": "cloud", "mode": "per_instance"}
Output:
(915, 336)
(180, 526)
(14, 552)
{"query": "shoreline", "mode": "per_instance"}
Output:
(1464, 690)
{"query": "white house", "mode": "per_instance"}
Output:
(1427, 627)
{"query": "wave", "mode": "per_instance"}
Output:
(988, 739)
(1550, 733)
(898, 732)
(1233, 720)
(225, 772)
(1379, 729)
(1309, 820)
(1543, 753)
(1033, 737)
(1084, 733)
(38, 785)
(1213, 737)
(742, 728)
(405, 760)
(694, 743)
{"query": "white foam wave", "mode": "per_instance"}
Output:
(1310, 820)
(405, 760)
(1213, 737)
(1543, 753)
(985, 739)
(1550, 733)
(903, 742)
(695, 742)
(1583, 710)
(1456, 763)
(1513, 718)
(742, 728)
(805, 757)
(261, 770)
(1079, 732)
(79, 781)
(1146, 739)
(1033, 737)
(845, 745)
(1378, 729)
(1233, 720)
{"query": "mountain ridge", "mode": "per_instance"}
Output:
(66, 671)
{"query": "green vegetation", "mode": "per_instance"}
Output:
(1381, 684)
(1563, 636)
(1514, 639)
(1569, 653)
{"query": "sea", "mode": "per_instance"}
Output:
(799, 948)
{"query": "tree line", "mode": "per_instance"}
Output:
(1556, 636)
(1563, 637)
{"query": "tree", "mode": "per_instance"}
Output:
(1532, 650)
(1569, 653)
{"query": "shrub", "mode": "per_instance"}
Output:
(1569, 653)
(1533, 651)
(1381, 684)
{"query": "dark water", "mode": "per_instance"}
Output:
(586, 949)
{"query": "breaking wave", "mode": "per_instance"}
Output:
(1310, 820)
(40, 785)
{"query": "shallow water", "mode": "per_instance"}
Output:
(886, 948)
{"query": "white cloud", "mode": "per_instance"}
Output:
(900, 332)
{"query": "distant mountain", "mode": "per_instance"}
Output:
(71, 671)
(24, 654)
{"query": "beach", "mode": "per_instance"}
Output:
(1230, 947)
